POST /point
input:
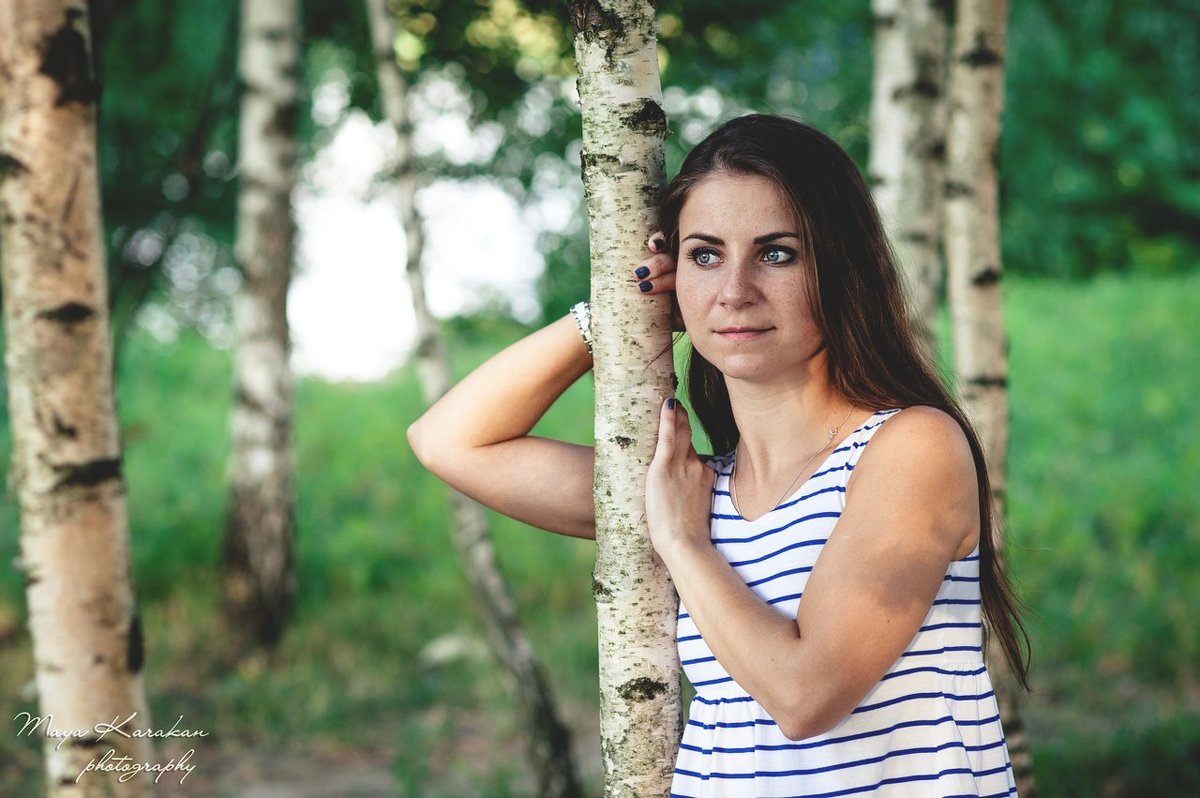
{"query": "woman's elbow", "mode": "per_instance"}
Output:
(801, 728)
(803, 719)
(418, 441)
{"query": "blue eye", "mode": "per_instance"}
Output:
(778, 255)
(702, 257)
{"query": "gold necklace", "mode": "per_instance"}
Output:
(833, 431)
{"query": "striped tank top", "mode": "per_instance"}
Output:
(931, 726)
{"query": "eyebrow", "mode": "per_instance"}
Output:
(763, 239)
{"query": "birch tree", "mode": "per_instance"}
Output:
(908, 140)
(547, 738)
(259, 579)
(974, 271)
(66, 463)
(623, 130)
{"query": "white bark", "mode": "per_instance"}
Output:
(66, 467)
(623, 130)
(974, 272)
(972, 224)
(908, 142)
(260, 579)
(547, 737)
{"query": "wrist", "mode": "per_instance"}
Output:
(680, 549)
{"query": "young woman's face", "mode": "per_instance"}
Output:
(740, 279)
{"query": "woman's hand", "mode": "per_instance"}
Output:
(656, 275)
(678, 486)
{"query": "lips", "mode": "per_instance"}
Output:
(742, 333)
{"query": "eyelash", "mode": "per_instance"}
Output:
(788, 254)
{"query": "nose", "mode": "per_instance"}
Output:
(738, 288)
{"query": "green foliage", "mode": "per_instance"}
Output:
(1105, 451)
(1158, 759)
(1100, 152)
(166, 133)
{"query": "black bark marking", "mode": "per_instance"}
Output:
(86, 475)
(66, 61)
(981, 54)
(242, 397)
(988, 381)
(591, 20)
(622, 441)
(135, 651)
(989, 275)
(936, 150)
(926, 87)
(649, 119)
(427, 346)
(592, 161)
(70, 313)
(600, 591)
(642, 688)
(10, 166)
(87, 743)
(283, 122)
(273, 34)
(956, 189)
(64, 430)
(915, 237)
(885, 21)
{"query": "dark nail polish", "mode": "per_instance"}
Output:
(642, 273)
(671, 403)
(645, 286)
(660, 244)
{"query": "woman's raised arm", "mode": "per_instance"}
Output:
(476, 437)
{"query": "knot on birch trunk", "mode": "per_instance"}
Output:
(10, 166)
(66, 61)
(648, 118)
(642, 688)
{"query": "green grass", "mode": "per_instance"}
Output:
(1103, 540)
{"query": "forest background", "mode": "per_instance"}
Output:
(383, 675)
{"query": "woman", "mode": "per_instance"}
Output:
(874, 683)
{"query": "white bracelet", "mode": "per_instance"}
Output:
(582, 313)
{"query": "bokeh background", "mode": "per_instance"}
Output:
(383, 684)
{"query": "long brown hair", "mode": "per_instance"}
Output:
(857, 304)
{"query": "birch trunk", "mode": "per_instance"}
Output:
(908, 143)
(259, 581)
(623, 130)
(974, 271)
(547, 737)
(66, 465)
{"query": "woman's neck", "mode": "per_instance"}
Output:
(779, 425)
(783, 421)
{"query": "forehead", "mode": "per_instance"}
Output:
(733, 200)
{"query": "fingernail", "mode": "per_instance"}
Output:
(659, 244)
(642, 273)
(671, 403)
(645, 286)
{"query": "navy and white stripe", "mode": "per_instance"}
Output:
(930, 727)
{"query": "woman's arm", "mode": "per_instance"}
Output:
(911, 510)
(476, 437)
